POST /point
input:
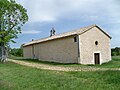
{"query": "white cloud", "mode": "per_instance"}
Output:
(53, 10)
(31, 32)
(103, 12)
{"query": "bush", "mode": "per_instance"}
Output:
(115, 51)
(16, 52)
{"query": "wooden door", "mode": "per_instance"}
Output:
(97, 58)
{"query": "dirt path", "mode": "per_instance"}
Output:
(60, 68)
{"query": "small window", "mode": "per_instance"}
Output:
(96, 42)
(75, 39)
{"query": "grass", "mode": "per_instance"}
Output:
(17, 77)
(115, 63)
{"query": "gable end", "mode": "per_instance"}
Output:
(99, 29)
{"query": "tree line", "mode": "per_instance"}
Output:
(115, 51)
(16, 52)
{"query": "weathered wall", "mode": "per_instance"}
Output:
(88, 47)
(36, 51)
(27, 52)
(62, 50)
(65, 50)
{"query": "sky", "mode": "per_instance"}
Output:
(67, 15)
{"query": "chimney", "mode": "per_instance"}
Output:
(52, 32)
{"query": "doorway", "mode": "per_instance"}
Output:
(97, 58)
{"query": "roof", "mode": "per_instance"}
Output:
(66, 34)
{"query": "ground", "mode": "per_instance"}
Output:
(18, 77)
(60, 68)
(115, 63)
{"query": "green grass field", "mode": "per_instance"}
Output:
(115, 63)
(17, 77)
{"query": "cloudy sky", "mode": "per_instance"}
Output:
(67, 15)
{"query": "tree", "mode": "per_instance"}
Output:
(115, 51)
(12, 17)
(16, 52)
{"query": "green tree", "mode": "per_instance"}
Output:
(16, 52)
(12, 17)
(115, 51)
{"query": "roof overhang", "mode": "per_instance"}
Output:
(67, 34)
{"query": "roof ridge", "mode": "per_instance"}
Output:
(65, 34)
(72, 30)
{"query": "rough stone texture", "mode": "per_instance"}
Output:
(62, 50)
(36, 51)
(88, 47)
(27, 52)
